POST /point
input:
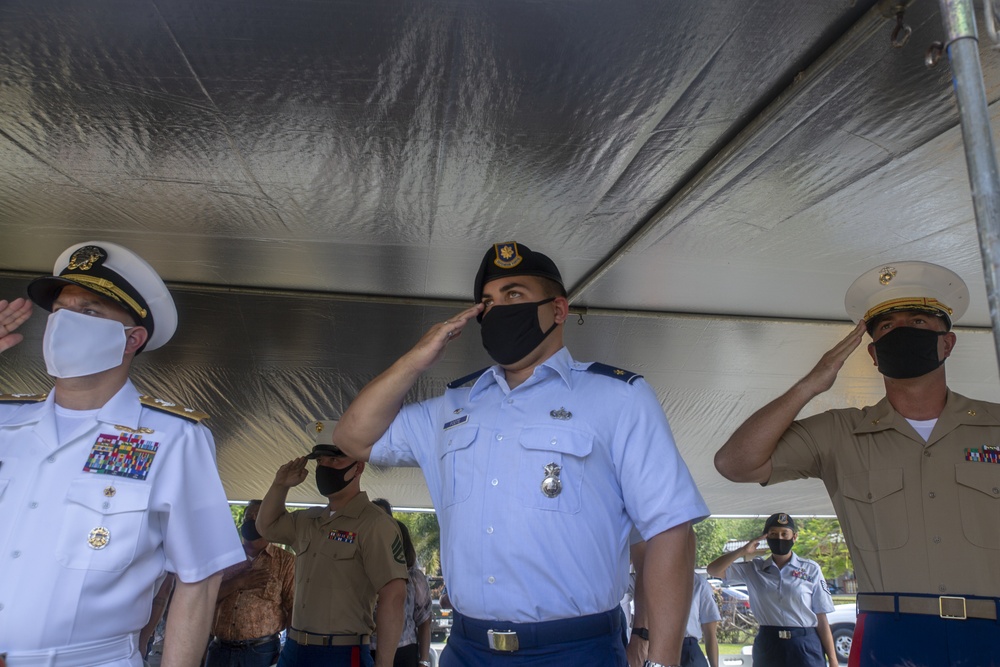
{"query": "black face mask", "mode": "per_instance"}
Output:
(908, 352)
(510, 333)
(330, 480)
(248, 529)
(779, 547)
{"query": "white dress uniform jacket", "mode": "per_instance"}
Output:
(89, 527)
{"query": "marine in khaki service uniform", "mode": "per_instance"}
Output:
(915, 479)
(349, 555)
(103, 491)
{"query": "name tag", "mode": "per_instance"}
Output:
(455, 422)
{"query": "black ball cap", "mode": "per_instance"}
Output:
(781, 520)
(513, 259)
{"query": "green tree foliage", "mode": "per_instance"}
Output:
(821, 540)
(426, 535)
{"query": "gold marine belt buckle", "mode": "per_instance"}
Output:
(784, 634)
(502, 641)
(951, 607)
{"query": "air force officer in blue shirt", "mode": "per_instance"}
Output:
(538, 466)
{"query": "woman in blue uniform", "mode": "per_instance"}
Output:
(788, 596)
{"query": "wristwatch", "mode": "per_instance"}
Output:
(424, 663)
(642, 633)
(650, 663)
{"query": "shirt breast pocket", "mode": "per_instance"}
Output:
(457, 465)
(875, 509)
(979, 502)
(101, 531)
(545, 445)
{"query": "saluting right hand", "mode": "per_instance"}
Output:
(430, 348)
(752, 547)
(12, 315)
(292, 473)
(823, 375)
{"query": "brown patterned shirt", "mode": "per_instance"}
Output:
(253, 611)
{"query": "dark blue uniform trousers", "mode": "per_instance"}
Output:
(802, 649)
(297, 655)
(885, 639)
(691, 655)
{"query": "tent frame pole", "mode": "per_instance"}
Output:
(980, 156)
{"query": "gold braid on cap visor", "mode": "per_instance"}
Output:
(908, 303)
(107, 288)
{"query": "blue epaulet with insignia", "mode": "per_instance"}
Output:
(455, 384)
(172, 408)
(612, 372)
(23, 398)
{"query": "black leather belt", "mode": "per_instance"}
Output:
(243, 643)
(944, 606)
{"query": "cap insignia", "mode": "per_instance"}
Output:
(886, 274)
(507, 256)
(319, 427)
(85, 258)
(783, 519)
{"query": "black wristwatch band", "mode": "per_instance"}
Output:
(642, 633)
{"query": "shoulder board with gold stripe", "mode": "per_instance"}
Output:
(172, 408)
(612, 372)
(23, 398)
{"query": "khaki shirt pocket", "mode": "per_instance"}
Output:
(457, 465)
(566, 448)
(102, 531)
(875, 514)
(979, 502)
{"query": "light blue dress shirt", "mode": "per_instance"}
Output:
(703, 608)
(509, 551)
(788, 597)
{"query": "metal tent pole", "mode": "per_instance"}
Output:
(980, 155)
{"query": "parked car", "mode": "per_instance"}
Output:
(842, 620)
(735, 599)
(440, 621)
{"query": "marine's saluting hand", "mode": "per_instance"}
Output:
(292, 473)
(824, 373)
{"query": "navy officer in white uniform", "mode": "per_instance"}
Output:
(788, 596)
(103, 491)
(538, 466)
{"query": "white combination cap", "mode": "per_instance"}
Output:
(117, 273)
(907, 286)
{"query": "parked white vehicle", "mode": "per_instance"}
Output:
(842, 620)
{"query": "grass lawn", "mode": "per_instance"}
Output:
(728, 649)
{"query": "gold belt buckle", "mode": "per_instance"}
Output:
(784, 634)
(502, 641)
(948, 607)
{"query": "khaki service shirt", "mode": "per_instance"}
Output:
(919, 517)
(342, 561)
